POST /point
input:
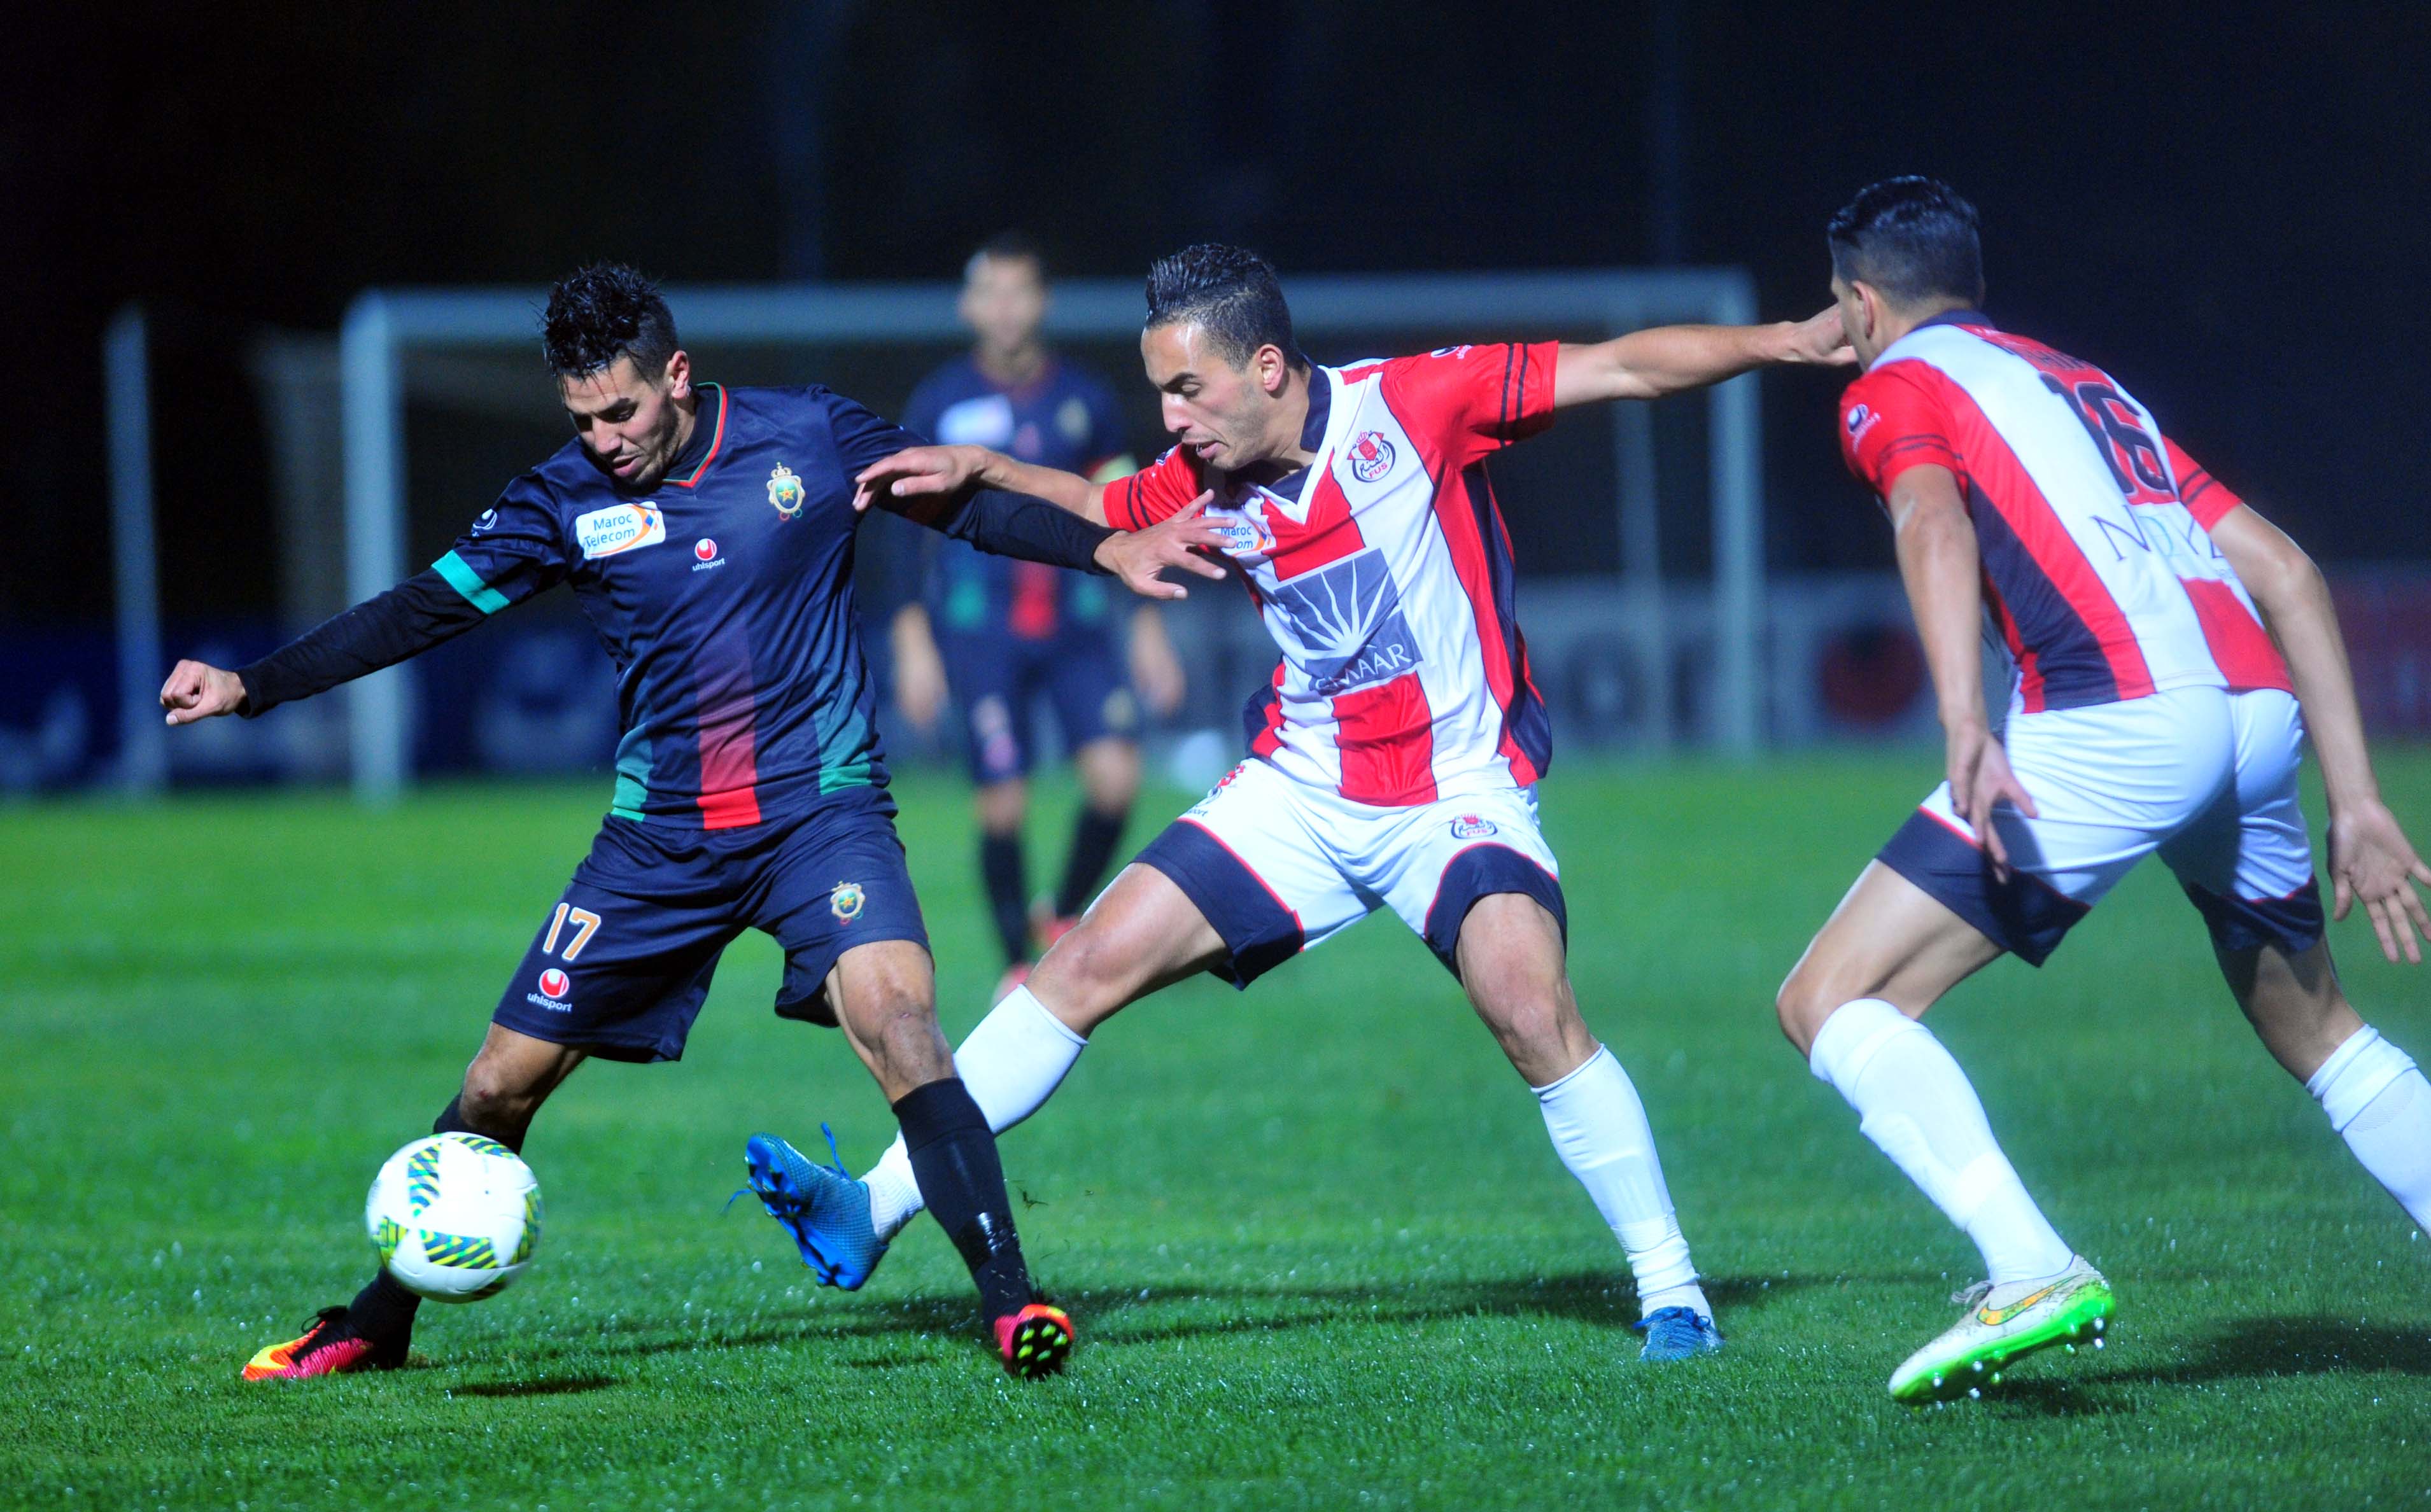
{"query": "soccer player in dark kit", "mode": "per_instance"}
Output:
(709, 534)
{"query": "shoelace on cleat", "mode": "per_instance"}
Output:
(836, 1156)
(1973, 1295)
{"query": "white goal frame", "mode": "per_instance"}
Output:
(384, 323)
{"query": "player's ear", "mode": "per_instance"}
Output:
(679, 374)
(1274, 369)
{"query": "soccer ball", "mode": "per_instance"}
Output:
(454, 1217)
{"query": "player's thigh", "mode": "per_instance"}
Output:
(622, 962)
(833, 880)
(1434, 863)
(1142, 933)
(1889, 939)
(2246, 861)
(1252, 866)
(2109, 784)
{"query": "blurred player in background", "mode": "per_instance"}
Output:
(708, 533)
(1004, 635)
(1395, 755)
(2163, 637)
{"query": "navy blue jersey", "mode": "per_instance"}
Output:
(724, 596)
(1063, 418)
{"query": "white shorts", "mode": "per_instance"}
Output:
(2208, 778)
(1278, 866)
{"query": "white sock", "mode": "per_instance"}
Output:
(1599, 1127)
(2381, 1105)
(1916, 1106)
(1011, 1063)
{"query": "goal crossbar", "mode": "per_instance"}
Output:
(382, 323)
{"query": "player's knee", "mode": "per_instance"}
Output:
(494, 1099)
(1805, 1001)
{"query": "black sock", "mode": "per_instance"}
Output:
(1000, 867)
(1094, 838)
(384, 1309)
(953, 1158)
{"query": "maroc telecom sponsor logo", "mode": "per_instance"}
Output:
(621, 528)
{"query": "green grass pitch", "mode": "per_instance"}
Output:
(1319, 1249)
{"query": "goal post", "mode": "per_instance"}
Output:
(384, 325)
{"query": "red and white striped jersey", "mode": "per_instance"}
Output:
(1383, 572)
(2099, 576)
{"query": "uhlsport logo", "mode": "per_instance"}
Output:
(625, 528)
(1371, 456)
(784, 491)
(555, 988)
(705, 551)
(1470, 826)
(846, 901)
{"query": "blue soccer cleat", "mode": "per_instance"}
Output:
(1677, 1334)
(822, 1207)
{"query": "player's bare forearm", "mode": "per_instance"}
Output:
(1666, 359)
(2296, 607)
(1943, 573)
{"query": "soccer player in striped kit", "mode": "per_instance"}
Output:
(2170, 651)
(1394, 754)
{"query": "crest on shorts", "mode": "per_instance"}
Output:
(1371, 456)
(846, 901)
(785, 491)
(1470, 826)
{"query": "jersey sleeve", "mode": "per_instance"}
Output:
(517, 548)
(862, 436)
(1889, 424)
(1468, 402)
(2203, 495)
(1157, 491)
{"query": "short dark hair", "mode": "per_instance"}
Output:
(1008, 246)
(600, 312)
(1229, 293)
(1913, 238)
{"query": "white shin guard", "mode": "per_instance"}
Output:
(1011, 1063)
(1599, 1130)
(1918, 1109)
(2381, 1105)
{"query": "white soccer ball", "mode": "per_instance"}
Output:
(454, 1217)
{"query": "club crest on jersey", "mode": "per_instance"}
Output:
(1371, 456)
(1470, 827)
(846, 901)
(621, 528)
(785, 491)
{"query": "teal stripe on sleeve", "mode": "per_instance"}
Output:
(468, 582)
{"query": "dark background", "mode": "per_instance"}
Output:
(2223, 204)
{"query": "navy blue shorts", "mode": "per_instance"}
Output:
(998, 678)
(621, 965)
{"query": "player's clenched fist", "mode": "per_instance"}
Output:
(197, 690)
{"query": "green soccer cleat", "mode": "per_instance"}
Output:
(1994, 1334)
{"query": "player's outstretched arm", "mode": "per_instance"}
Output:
(2370, 859)
(1664, 359)
(1038, 514)
(919, 476)
(408, 620)
(1940, 562)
